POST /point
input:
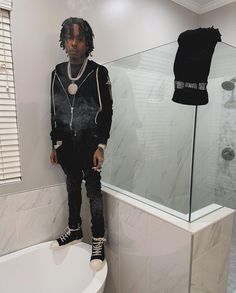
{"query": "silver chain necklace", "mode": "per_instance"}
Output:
(73, 88)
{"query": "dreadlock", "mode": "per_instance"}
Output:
(85, 32)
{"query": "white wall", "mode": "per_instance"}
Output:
(224, 19)
(121, 28)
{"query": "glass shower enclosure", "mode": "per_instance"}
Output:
(177, 158)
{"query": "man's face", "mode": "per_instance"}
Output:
(75, 45)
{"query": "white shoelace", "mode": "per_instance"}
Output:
(67, 233)
(97, 246)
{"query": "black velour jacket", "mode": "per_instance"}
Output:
(92, 103)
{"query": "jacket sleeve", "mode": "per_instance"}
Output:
(53, 126)
(105, 116)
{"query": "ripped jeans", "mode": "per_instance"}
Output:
(75, 156)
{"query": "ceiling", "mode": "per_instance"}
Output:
(203, 6)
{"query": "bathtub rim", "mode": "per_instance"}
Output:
(98, 280)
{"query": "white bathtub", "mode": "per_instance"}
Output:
(39, 269)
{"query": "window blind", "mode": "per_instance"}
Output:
(9, 144)
(6, 4)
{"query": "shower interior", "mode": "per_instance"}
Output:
(229, 85)
(150, 153)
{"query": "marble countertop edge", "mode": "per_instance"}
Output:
(192, 227)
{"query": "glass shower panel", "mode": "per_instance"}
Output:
(149, 152)
(214, 168)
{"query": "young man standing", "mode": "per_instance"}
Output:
(81, 115)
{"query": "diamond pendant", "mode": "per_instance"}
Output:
(72, 88)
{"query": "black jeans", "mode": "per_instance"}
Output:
(75, 156)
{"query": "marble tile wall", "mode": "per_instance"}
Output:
(210, 257)
(145, 254)
(36, 216)
(32, 217)
(232, 267)
(149, 152)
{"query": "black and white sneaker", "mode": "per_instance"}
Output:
(97, 259)
(70, 236)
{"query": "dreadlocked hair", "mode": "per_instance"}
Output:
(85, 32)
